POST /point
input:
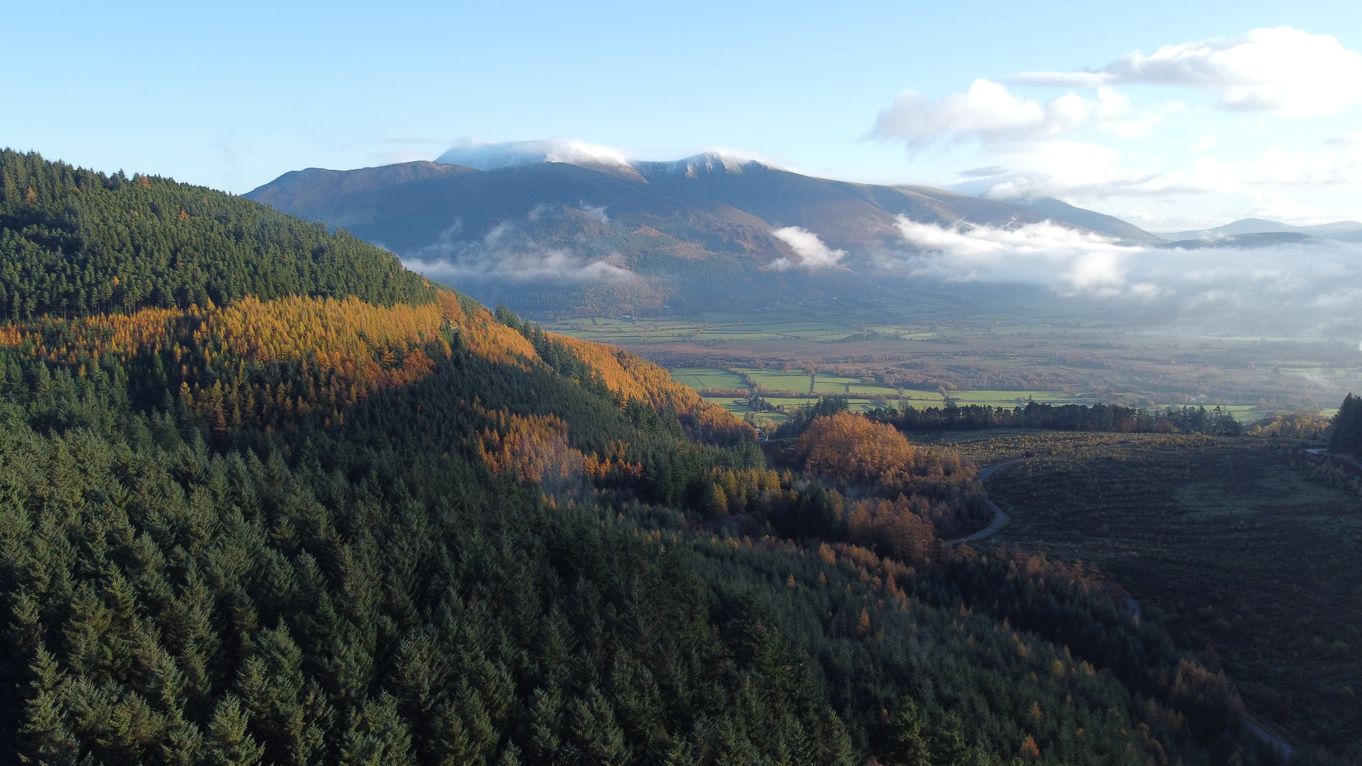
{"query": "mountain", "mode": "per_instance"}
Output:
(1250, 240)
(568, 226)
(1350, 231)
(267, 497)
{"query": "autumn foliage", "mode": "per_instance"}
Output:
(266, 362)
(912, 484)
(854, 449)
(633, 377)
(533, 447)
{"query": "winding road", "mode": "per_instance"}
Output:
(1280, 747)
(1000, 517)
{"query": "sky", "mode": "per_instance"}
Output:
(1171, 115)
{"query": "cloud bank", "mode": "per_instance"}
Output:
(1316, 276)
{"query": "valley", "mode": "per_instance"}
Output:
(882, 353)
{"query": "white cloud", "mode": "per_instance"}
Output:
(482, 155)
(1316, 276)
(1075, 261)
(810, 254)
(986, 112)
(507, 253)
(1279, 69)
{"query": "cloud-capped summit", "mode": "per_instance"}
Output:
(487, 156)
(481, 155)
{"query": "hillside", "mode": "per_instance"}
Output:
(270, 498)
(548, 227)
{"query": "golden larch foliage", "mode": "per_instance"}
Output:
(340, 350)
(533, 447)
(483, 334)
(634, 377)
(854, 448)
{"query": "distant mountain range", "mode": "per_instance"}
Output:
(567, 226)
(1346, 231)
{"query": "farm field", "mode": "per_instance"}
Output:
(708, 378)
(791, 389)
(975, 346)
(1011, 398)
(739, 407)
(1241, 554)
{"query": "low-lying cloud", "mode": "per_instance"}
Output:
(810, 253)
(1046, 253)
(511, 253)
(1307, 275)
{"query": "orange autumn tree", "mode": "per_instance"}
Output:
(533, 447)
(265, 362)
(854, 449)
(930, 483)
(894, 527)
(633, 377)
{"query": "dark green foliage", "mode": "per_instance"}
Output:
(78, 242)
(1064, 417)
(1346, 434)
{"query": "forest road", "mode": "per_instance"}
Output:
(1000, 517)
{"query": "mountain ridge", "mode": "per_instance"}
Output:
(700, 230)
(1343, 230)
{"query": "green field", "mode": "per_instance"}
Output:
(1013, 398)
(708, 378)
(940, 339)
(1225, 541)
(739, 407)
(802, 382)
(792, 389)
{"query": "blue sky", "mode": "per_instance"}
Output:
(232, 95)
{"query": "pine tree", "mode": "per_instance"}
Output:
(228, 742)
(595, 734)
(46, 736)
(948, 743)
(907, 745)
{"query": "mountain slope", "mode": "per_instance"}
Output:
(339, 526)
(551, 228)
(1101, 223)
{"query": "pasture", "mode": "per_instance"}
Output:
(931, 340)
(708, 378)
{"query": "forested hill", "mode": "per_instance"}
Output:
(267, 498)
(78, 242)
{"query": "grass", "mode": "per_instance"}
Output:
(1243, 556)
(1011, 398)
(795, 389)
(1054, 350)
(739, 407)
(708, 378)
